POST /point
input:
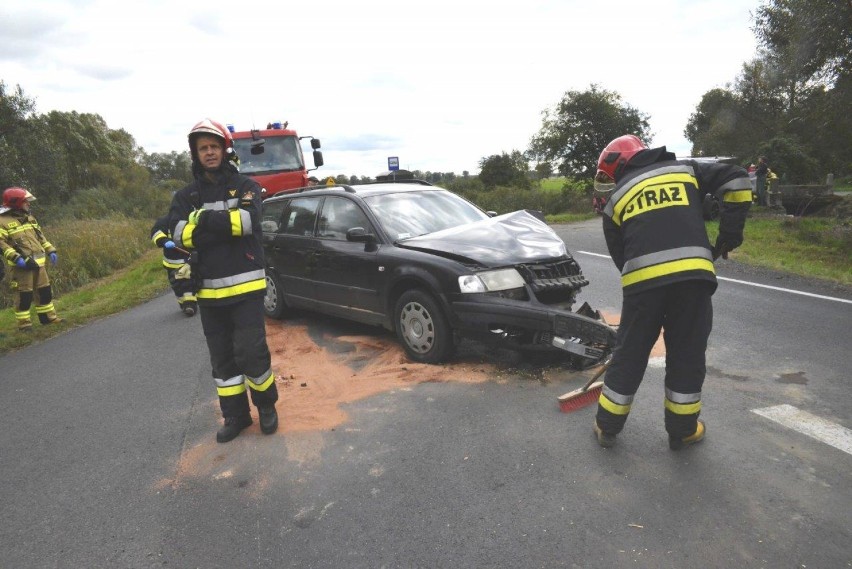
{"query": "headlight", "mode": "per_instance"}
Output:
(503, 279)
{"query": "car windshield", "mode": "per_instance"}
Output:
(278, 154)
(410, 214)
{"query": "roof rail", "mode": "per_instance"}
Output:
(392, 181)
(344, 187)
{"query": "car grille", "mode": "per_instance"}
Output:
(553, 282)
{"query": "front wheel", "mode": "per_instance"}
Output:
(422, 328)
(274, 304)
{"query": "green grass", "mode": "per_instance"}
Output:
(806, 246)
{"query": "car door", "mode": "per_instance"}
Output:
(291, 250)
(347, 272)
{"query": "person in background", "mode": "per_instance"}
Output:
(26, 251)
(174, 261)
(760, 174)
(655, 233)
(313, 181)
(217, 218)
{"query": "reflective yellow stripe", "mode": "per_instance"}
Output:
(232, 390)
(667, 269)
(186, 236)
(737, 196)
(236, 290)
(263, 386)
(236, 223)
(683, 408)
(627, 198)
(22, 315)
(44, 309)
(613, 408)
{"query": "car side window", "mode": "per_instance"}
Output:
(301, 216)
(339, 215)
(270, 219)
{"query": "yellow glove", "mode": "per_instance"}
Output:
(184, 272)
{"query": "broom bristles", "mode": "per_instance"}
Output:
(580, 398)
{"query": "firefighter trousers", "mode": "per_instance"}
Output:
(684, 311)
(32, 285)
(236, 339)
(184, 289)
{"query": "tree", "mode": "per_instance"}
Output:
(504, 170)
(15, 109)
(574, 132)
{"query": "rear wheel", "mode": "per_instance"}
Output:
(274, 304)
(422, 328)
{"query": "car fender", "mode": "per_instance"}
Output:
(407, 277)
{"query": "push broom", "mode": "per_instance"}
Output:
(586, 395)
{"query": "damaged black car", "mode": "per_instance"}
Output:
(430, 266)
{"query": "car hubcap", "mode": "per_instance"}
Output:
(417, 327)
(271, 298)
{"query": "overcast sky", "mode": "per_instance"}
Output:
(440, 84)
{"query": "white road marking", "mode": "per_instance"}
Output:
(749, 283)
(815, 427)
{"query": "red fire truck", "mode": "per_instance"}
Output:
(273, 157)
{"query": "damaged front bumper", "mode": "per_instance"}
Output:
(531, 326)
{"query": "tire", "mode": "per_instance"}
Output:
(710, 208)
(422, 328)
(274, 305)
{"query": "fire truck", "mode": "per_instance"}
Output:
(273, 157)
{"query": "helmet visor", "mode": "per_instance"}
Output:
(603, 183)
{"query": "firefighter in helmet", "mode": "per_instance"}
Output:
(655, 233)
(217, 218)
(26, 250)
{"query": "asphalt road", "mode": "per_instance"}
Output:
(107, 456)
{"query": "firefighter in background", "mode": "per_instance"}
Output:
(217, 218)
(174, 262)
(26, 251)
(656, 236)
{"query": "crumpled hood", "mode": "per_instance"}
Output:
(511, 238)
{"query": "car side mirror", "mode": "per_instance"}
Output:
(360, 235)
(491, 213)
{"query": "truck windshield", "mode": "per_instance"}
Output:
(279, 154)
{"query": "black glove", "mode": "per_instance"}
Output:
(720, 250)
(31, 264)
(192, 260)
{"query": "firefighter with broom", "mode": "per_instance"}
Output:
(656, 236)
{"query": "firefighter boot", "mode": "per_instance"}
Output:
(677, 443)
(605, 439)
(190, 308)
(232, 428)
(268, 419)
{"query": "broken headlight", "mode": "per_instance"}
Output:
(491, 281)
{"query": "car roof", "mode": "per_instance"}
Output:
(362, 190)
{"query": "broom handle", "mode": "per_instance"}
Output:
(598, 373)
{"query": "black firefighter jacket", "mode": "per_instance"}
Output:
(654, 224)
(227, 239)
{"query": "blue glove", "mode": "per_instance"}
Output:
(21, 263)
(53, 258)
(169, 244)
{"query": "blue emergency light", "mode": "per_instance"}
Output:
(276, 125)
(230, 128)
